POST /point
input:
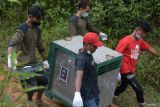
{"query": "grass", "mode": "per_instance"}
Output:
(148, 69)
(128, 97)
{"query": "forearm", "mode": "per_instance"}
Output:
(91, 28)
(157, 54)
(78, 101)
(43, 55)
(78, 84)
(72, 29)
(41, 50)
(10, 49)
(154, 52)
(78, 81)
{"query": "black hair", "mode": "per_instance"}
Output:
(82, 5)
(85, 43)
(144, 25)
(36, 11)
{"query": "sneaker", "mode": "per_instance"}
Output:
(109, 105)
(114, 100)
(142, 104)
(39, 103)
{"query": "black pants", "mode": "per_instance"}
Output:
(131, 80)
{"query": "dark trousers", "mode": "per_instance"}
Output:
(129, 79)
(94, 102)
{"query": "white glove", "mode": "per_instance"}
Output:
(45, 64)
(12, 65)
(103, 36)
(77, 101)
(119, 76)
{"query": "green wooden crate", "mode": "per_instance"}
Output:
(61, 59)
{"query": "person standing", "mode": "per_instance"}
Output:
(86, 85)
(79, 22)
(131, 46)
(25, 40)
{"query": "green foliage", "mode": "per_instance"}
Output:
(148, 70)
(114, 17)
(10, 8)
(128, 98)
(55, 9)
(117, 17)
(14, 1)
(5, 99)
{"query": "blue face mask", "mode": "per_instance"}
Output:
(85, 14)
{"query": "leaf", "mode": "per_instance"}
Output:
(14, 1)
(25, 74)
(158, 4)
(33, 88)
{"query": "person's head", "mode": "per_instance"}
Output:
(35, 15)
(84, 8)
(142, 27)
(91, 42)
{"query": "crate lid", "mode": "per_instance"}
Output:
(102, 54)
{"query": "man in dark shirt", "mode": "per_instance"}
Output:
(25, 41)
(86, 85)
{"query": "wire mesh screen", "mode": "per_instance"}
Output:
(64, 76)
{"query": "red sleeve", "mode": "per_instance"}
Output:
(122, 45)
(144, 46)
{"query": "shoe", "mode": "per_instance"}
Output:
(112, 105)
(114, 100)
(109, 105)
(39, 103)
(142, 104)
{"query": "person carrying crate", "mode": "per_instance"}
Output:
(25, 40)
(86, 85)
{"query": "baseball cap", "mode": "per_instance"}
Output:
(93, 39)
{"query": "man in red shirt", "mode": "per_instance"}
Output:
(130, 46)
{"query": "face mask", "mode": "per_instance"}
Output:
(89, 52)
(138, 36)
(85, 14)
(34, 23)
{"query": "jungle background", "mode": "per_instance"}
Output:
(116, 18)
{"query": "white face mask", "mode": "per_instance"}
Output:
(85, 14)
(138, 35)
(89, 52)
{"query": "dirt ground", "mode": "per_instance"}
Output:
(20, 98)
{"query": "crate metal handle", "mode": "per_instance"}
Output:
(109, 56)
